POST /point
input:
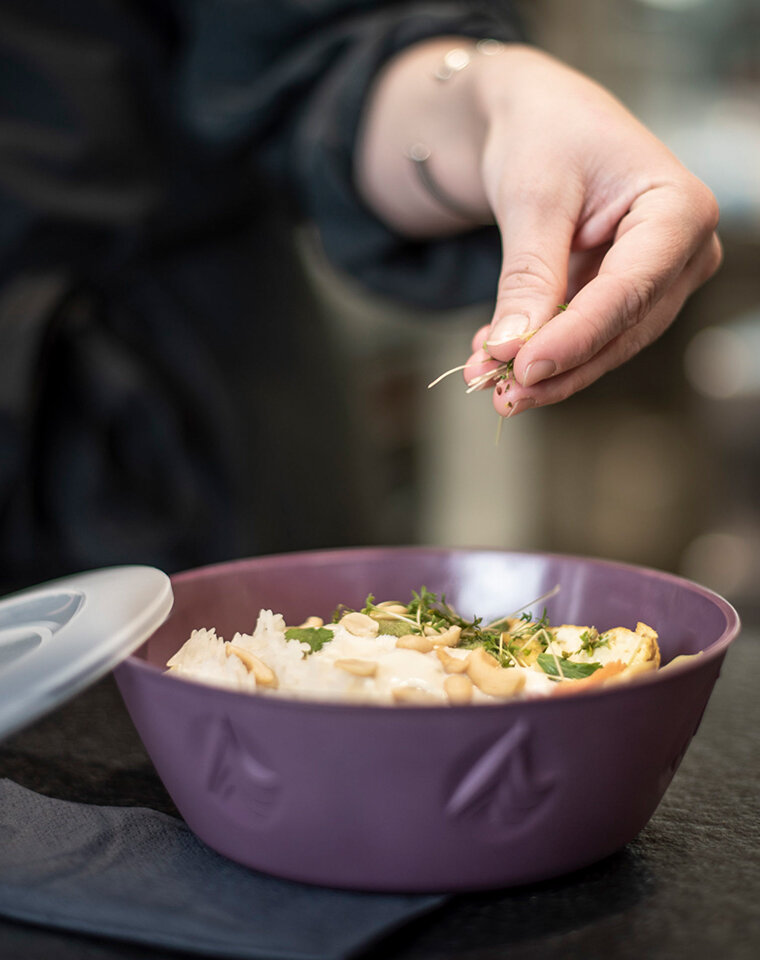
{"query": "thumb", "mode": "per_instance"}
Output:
(536, 241)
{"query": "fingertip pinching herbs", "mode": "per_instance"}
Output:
(500, 377)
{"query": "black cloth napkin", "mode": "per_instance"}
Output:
(136, 874)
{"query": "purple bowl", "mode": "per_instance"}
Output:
(407, 798)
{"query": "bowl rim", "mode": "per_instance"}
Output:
(714, 651)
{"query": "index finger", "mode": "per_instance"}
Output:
(655, 241)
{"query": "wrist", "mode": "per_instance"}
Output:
(418, 161)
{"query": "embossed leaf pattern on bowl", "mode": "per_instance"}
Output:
(503, 788)
(239, 779)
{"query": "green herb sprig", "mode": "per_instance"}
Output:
(591, 640)
(564, 668)
(511, 640)
(428, 609)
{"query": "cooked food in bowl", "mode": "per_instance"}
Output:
(420, 652)
(408, 798)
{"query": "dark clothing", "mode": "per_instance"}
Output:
(164, 377)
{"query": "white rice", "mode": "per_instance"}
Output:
(307, 675)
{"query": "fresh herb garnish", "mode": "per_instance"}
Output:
(568, 669)
(340, 611)
(506, 372)
(316, 637)
(369, 604)
(591, 641)
(512, 643)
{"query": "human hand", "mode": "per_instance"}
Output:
(592, 210)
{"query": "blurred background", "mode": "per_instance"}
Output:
(657, 464)
(179, 397)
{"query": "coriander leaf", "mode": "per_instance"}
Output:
(316, 637)
(570, 669)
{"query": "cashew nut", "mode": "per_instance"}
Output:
(413, 695)
(264, 675)
(388, 610)
(451, 664)
(311, 622)
(359, 668)
(412, 641)
(360, 625)
(450, 638)
(458, 688)
(488, 676)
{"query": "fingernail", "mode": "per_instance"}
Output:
(538, 370)
(520, 405)
(508, 328)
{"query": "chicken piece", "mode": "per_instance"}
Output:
(587, 645)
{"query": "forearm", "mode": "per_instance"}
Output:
(408, 107)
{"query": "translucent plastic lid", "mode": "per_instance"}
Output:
(58, 638)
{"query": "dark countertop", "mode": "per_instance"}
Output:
(688, 886)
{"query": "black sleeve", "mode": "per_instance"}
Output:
(293, 86)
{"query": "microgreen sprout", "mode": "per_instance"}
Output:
(506, 641)
(462, 366)
(591, 640)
